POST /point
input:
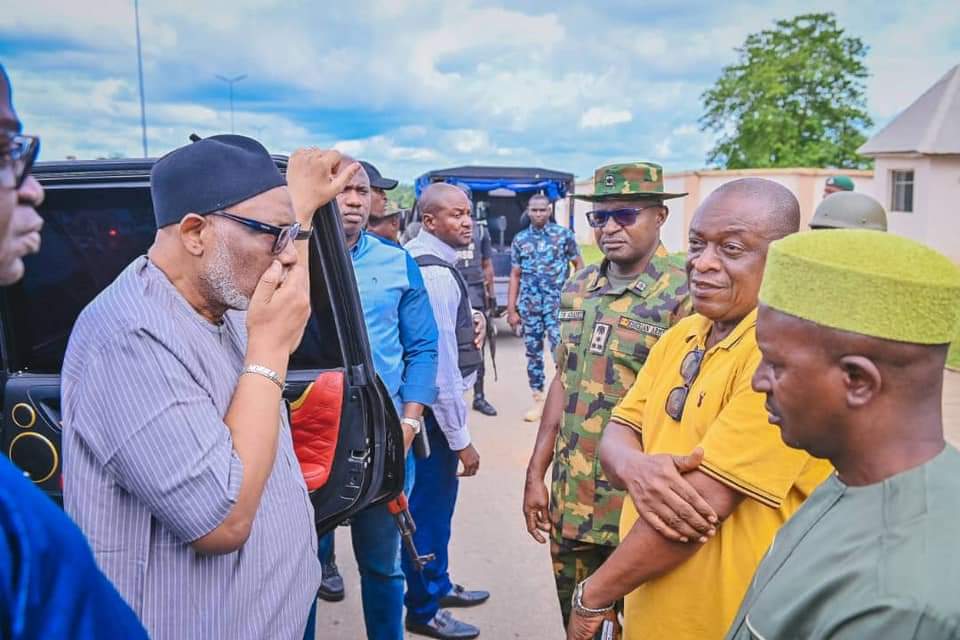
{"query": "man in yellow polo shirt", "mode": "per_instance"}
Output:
(691, 442)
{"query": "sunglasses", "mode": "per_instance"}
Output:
(16, 161)
(689, 370)
(283, 235)
(623, 217)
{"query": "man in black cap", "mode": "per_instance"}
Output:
(178, 460)
(381, 223)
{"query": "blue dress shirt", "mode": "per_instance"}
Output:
(399, 319)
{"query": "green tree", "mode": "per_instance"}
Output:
(795, 97)
(401, 198)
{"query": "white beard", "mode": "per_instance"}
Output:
(220, 279)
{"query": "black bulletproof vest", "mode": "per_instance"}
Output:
(469, 357)
(470, 266)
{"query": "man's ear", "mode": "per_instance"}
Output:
(662, 215)
(862, 380)
(191, 233)
(428, 220)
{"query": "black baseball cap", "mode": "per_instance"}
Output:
(377, 180)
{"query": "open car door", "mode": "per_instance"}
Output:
(98, 216)
(368, 461)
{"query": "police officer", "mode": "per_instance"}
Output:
(475, 264)
(849, 210)
(610, 315)
(540, 257)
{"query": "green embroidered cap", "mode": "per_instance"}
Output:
(868, 282)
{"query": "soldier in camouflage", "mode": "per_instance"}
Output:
(610, 316)
(540, 263)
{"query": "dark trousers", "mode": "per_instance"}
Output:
(478, 385)
(432, 502)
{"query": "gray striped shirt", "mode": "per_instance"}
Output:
(149, 466)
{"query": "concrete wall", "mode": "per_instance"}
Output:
(935, 219)
(806, 184)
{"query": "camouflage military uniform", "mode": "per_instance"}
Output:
(543, 256)
(606, 334)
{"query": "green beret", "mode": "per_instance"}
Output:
(840, 182)
(868, 282)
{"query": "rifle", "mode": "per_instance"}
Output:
(491, 307)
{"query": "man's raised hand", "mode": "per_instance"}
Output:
(315, 177)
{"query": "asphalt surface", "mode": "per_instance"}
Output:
(491, 548)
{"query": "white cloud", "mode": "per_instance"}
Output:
(421, 84)
(604, 117)
(663, 149)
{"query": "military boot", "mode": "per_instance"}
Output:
(533, 415)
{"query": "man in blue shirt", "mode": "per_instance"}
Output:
(403, 339)
(50, 586)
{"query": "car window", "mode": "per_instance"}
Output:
(89, 237)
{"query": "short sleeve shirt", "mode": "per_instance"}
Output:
(606, 332)
(543, 256)
(877, 561)
(149, 467)
(724, 416)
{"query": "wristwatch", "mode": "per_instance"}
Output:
(586, 612)
(414, 424)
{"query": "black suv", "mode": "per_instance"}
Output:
(98, 217)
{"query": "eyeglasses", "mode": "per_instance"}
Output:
(689, 370)
(283, 235)
(18, 158)
(623, 217)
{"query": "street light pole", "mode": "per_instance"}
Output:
(143, 108)
(231, 82)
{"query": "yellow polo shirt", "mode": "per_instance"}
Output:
(699, 599)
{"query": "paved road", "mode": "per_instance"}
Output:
(491, 548)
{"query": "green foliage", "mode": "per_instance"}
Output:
(591, 253)
(400, 198)
(794, 98)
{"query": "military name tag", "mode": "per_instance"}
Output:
(601, 333)
(571, 314)
(641, 327)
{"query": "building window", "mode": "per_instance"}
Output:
(901, 195)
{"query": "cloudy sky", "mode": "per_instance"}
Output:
(415, 85)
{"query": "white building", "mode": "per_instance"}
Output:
(917, 167)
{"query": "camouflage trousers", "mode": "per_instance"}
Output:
(574, 560)
(538, 313)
